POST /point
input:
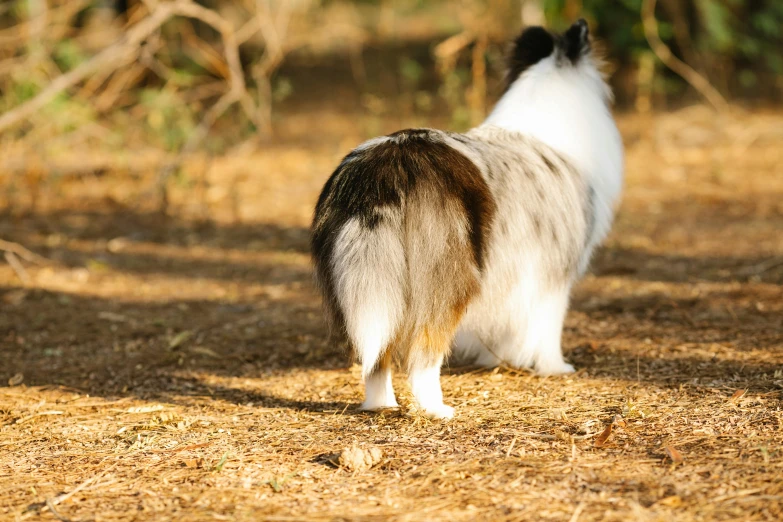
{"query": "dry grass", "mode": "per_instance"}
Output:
(166, 369)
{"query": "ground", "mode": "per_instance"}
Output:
(170, 368)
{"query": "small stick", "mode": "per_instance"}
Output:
(577, 512)
(19, 250)
(41, 414)
(56, 514)
(511, 447)
(51, 502)
(665, 54)
(21, 273)
(760, 268)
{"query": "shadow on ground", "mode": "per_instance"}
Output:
(126, 346)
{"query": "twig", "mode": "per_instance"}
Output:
(59, 18)
(511, 447)
(665, 54)
(56, 514)
(116, 54)
(237, 91)
(19, 250)
(21, 273)
(59, 499)
(545, 436)
(40, 414)
(247, 31)
(273, 25)
(446, 51)
(760, 268)
(577, 512)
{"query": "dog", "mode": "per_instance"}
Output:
(426, 242)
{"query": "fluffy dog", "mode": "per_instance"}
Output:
(426, 241)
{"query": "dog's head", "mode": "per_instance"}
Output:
(538, 50)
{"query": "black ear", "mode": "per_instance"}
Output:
(530, 47)
(577, 40)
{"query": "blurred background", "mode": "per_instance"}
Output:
(191, 108)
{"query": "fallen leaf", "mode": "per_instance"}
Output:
(673, 454)
(193, 463)
(16, 380)
(672, 501)
(737, 395)
(618, 421)
(358, 459)
(179, 339)
(600, 441)
(112, 317)
(205, 351)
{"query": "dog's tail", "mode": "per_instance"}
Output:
(399, 243)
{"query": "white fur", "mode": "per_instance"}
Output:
(367, 266)
(523, 330)
(378, 391)
(372, 142)
(567, 108)
(518, 319)
(425, 386)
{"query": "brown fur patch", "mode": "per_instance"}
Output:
(430, 342)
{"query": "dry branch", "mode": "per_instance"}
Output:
(666, 56)
(450, 47)
(17, 267)
(112, 56)
(19, 250)
(237, 91)
(478, 91)
(128, 47)
(117, 54)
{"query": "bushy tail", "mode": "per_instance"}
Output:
(368, 271)
(398, 244)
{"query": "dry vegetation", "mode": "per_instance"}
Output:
(175, 365)
(169, 368)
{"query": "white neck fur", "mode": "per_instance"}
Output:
(567, 108)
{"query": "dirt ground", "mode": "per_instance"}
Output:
(176, 368)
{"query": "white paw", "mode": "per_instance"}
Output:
(377, 406)
(561, 368)
(439, 412)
